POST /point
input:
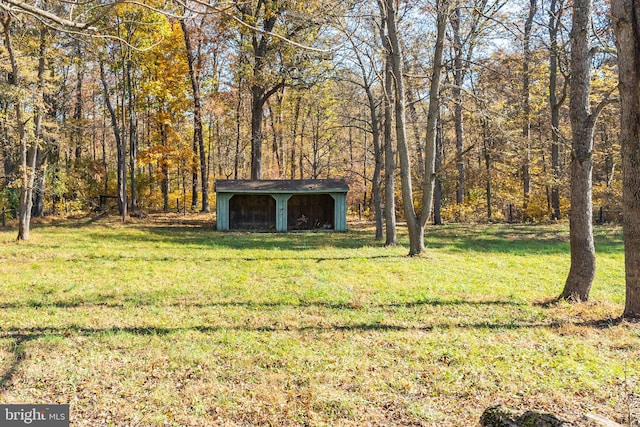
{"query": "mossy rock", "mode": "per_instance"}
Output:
(501, 416)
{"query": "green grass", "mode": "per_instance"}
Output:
(168, 322)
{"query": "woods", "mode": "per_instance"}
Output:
(447, 110)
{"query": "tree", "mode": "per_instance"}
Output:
(583, 256)
(468, 22)
(526, 105)
(556, 9)
(120, 147)
(193, 61)
(416, 222)
(626, 19)
(366, 63)
(391, 234)
(27, 143)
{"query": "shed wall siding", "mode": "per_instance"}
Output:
(340, 211)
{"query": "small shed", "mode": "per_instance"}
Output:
(282, 205)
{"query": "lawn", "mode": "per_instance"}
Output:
(167, 322)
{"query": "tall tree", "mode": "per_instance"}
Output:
(556, 9)
(279, 30)
(193, 62)
(120, 147)
(367, 73)
(265, 14)
(526, 105)
(391, 234)
(416, 221)
(626, 18)
(583, 256)
(468, 21)
(459, 71)
(27, 148)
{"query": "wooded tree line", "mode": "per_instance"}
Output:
(437, 110)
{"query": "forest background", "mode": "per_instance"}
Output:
(162, 103)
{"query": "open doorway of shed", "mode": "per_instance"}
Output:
(310, 212)
(252, 212)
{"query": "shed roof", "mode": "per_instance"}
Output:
(282, 186)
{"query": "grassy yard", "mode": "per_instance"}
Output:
(169, 323)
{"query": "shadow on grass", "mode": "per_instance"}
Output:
(149, 300)
(18, 350)
(506, 239)
(515, 239)
(21, 337)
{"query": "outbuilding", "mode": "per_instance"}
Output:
(281, 205)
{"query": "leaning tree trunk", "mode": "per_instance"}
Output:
(626, 17)
(433, 115)
(583, 257)
(414, 226)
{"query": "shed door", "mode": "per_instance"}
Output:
(310, 211)
(252, 212)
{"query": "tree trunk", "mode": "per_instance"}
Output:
(437, 192)
(259, 93)
(554, 104)
(486, 152)
(391, 235)
(40, 159)
(39, 185)
(413, 113)
(133, 135)
(458, 77)
(526, 109)
(377, 148)
(27, 151)
(415, 228)
(198, 136)
(236, 161)
(377, 169)
(122, 193)
(164, 168)
(257, 102)
(626, 18)
(434, 113)
(415, 223)
(583, 256)
(78, 109)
